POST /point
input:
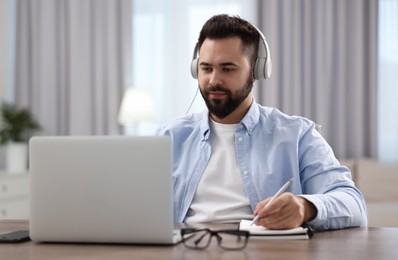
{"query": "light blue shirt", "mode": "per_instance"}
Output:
(271, 147)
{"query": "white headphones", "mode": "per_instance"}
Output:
(262, 67)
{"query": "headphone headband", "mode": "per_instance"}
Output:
(262, 67)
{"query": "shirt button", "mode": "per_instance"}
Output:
(240, 139)
(245, 173)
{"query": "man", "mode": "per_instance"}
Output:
(229, 160)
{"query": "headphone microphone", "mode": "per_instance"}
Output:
(262, 67)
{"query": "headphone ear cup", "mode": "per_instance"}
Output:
(194, 68)
(262, 68)
(259, 68)
(268, 68)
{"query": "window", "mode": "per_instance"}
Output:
(388, 81)
(164, 36)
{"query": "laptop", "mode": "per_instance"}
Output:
(101, 189)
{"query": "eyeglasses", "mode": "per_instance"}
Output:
(226, 239)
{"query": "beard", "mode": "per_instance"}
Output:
(222, 108)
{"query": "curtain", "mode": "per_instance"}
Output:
(324, 68)
(72, 63)
(388, 81)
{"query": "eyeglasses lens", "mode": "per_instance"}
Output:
(232, 240)
(200, 239)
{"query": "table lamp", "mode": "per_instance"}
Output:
(137, 106)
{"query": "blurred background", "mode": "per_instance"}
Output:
(122, 67)
(70, 62)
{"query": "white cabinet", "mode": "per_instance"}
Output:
(14, 196)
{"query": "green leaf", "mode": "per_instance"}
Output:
(16, 125)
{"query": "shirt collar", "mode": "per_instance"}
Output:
(204, 125)
(252, 117)
(250, 120)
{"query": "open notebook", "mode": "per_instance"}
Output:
(264, 233)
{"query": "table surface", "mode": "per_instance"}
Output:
(354, 243)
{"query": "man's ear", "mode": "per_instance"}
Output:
(253, 74)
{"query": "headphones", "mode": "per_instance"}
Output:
(262, 67)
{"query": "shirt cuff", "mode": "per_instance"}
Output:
(321, 216)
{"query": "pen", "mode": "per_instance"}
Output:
(279, 192)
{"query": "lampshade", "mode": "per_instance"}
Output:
(137, 105)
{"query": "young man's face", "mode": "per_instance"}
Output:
(225, 77)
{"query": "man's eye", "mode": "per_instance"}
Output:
(206, 69)
(228, 69)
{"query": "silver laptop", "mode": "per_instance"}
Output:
(101, 189)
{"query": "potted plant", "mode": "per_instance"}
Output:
(16, 127)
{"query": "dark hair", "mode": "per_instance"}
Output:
(224, 26)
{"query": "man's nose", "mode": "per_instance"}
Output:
(215, 79)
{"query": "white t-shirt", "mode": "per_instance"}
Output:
(220, 196)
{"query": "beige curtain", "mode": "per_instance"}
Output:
(72, 63)
(324, 68)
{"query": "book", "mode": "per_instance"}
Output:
(259, 232)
